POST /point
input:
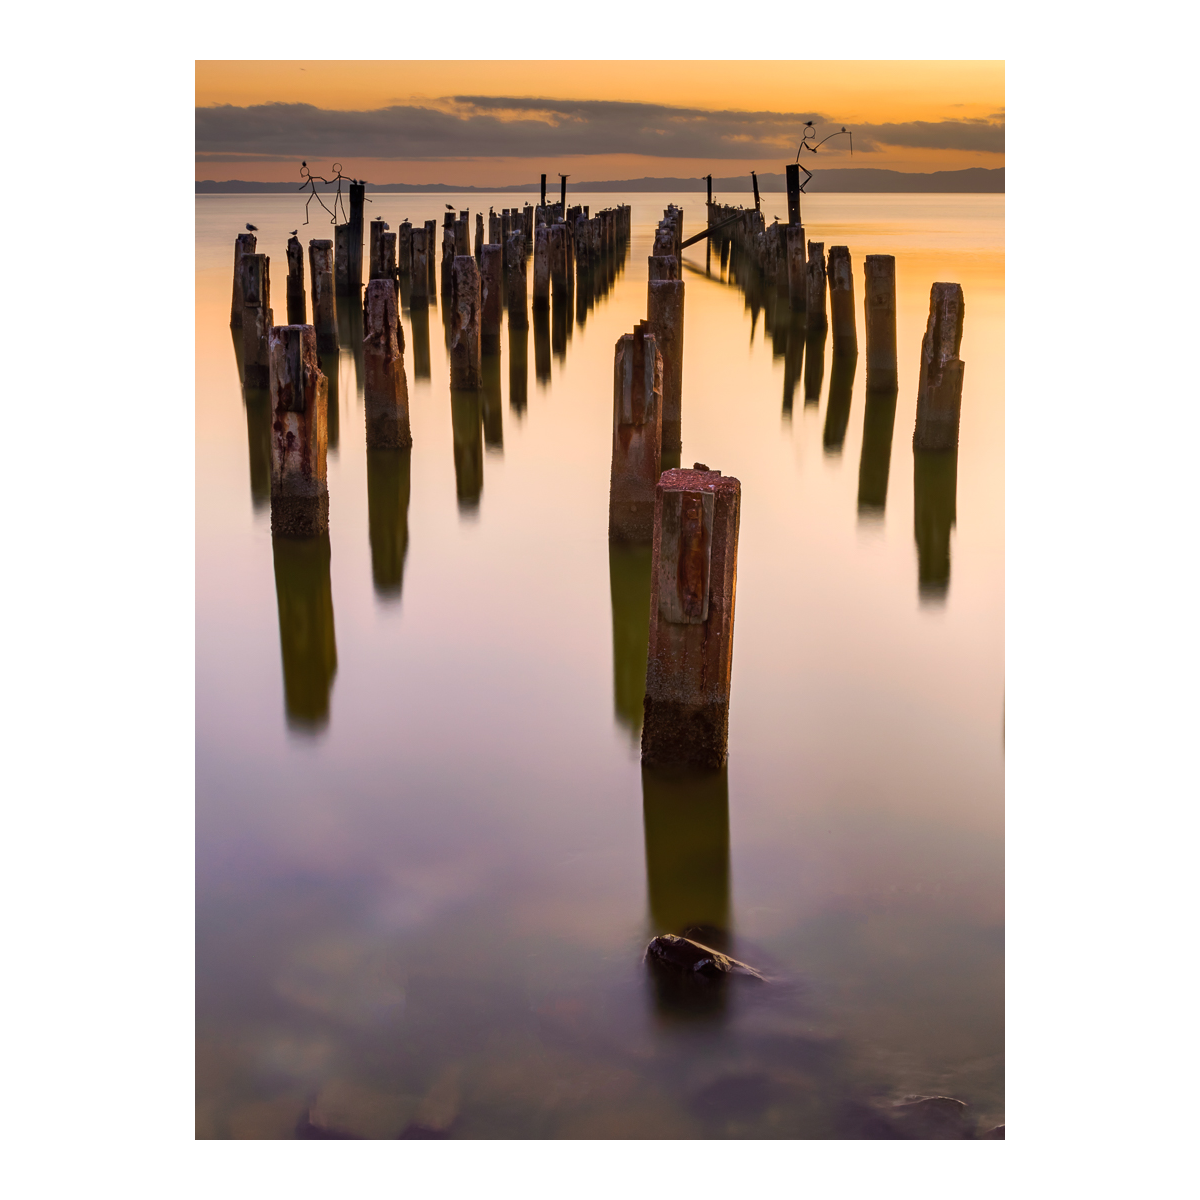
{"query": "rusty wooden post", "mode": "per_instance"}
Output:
(245, 243)
(817, 318)
(341, 260)
(295, 283)
(939, 392)
(324, 309)
(841, 302)
(637, 436)
(375, 263)
(357, 197)
(663, 266)
(797, 272)
(386, 389)
(257, 320)
(465, 313)
(404, 247)
(541, 268)
(518, 306)
(299, 434)
(491, 276)
(479, 237)
(664, 312)
(692, 581)
(420, 269)
(879, 312)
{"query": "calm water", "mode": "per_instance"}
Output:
(428, 864)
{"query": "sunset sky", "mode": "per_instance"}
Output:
(498, 123)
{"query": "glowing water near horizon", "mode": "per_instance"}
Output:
(427, 870)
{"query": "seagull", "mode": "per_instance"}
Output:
(252, 228)
(295, 232)
(450, 207)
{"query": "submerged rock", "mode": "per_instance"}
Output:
(677, 953)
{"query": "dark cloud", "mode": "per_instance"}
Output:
(494, 126)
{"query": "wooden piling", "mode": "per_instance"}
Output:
(341, 260)
(465, 314)
(295, 283)
(663, 266)
(664, 312)
(462, 235)
(324, 309)
(939, 392)
(357, 199)
(637, 436)
(431, 259)
(244, 243)
(518, 304)
(257, 320)
(491, 283)
(388, 254)
(693, 574)
(754, 181)
(817, 318)
(841, 302)
(404, 248)
(543, 191)
(558, 261)
(797, 271)
(299, 434)
(420, 269)
(793, 193)
(375, 263)
(386, 388)
(879, 313)
(479, 237)
(541, 267)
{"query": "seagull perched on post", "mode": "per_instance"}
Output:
(450, 207)
(252, 228)
(295, 232)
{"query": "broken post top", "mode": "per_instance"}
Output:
(944, 331)
(699, 478)
(639, 366)
(295, 368)
(840, 275)
(380, 317)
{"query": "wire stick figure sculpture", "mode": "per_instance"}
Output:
(310, 182)
(808, 142)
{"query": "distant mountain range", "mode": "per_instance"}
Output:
(844, 179)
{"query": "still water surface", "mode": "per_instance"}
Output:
(428, 862)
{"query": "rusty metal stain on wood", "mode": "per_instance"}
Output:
(685, 556)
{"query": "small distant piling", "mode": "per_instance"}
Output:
(296, 314)
(559, 266)
(419, 296)
(664, 312)
(637, 436)
(324, 307)
(841, 302)
(817, 318)
(341, 259)
(479, 237)
(491, 282)
(431, 259)
(257, 320)
(879, 313)
(386, 387)
(465, 315)
(939, 392)
(299, 434)
(244, 243)
(376, 268)
(518, 304)
(693, 572)
(404, 248)
(541, 268)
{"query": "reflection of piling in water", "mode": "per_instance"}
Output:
(541, 344)
(299, 493)
(387, 517)
(257, 320)
(817, 318)
(330, 365)
(837, 410)
(518, 367)
(324, 307)
(419, 319)
(306, 637)
(629, 583)
(814, 366)
(939, 392)
(258, 433)
(558, 328)
(466, 423)
(841, 302)
(518, 304)
(664, 313)
(778, 316)
(875, 463)
(491, 283)
(793, 358)
(879, 313)
(696, 516)
(296, 314)
(244, 243)
(541, 268)
(935, 482)
(637, 434)
(465, 313)
(350, 337)
(491, 405)
(419, 296)
(386, 389)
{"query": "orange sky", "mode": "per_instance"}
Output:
(866, 93)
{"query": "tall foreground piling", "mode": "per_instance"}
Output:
(465, 315)
(637, 436)
(559, 267)
(841, 302)
(491, 276)
(357, 198)
(879, 313)
(386, 387)
(376, 268)
(664, 312)
(419, 297)
(939, 392)
(431, 259)
(404, 248)
(693, 581)
(257, 319)
(797, 269)
(324, 308)
(479, 237)
(341, 259)
(295, 283)
(244, 243)
(816, 286)
(518, 305)
(541, 268)
(299, 434)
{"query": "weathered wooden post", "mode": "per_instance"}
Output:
(295, 283)
(299, 492)
(637, 436)
(558, 261)
(386, 390)
(664, 312)
(479, 237)
(420, 269)
(793, 193)
(527, 225)
(754, 181)
(541, 268)
(562, 204)
(465, 313)
(816, 286)
(341, 261)
(357, 196)
(693, 576)
(841, 302)
(939, 392)
(708, 180)
(543, 191)
(431, 260)
(797, 271)
(404, 248)
(462, 235)
(320, 264)
(491, 277)
(257, 320)
(518, 306)
(244, 244)
(663, 266)
(879, 311)
(388, 251)
(375, 263)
